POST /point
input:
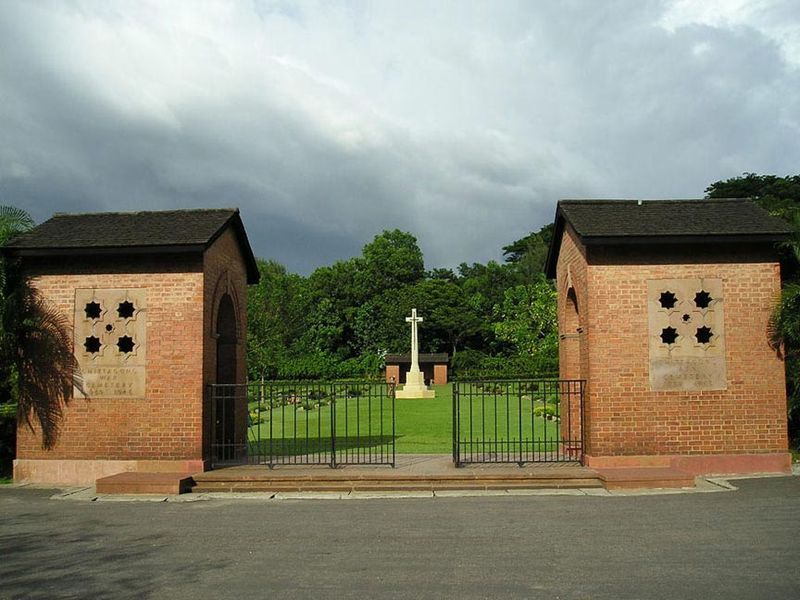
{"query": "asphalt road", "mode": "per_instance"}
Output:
(741, 544)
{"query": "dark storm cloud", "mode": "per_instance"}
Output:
(328, 123)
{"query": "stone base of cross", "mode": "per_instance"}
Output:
(415, 387)
(415, 380)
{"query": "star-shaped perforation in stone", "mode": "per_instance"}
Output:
(125, 310)
(702, 299)
(92, 344)
(125, 344)
(703, 335)
(669, 335)
(93, 310)
(667, 300)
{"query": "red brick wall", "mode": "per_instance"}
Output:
(173, 421)
(166, 425)
(623, 416)
(439, 374)
(393, 372)
(224, 272)
(573, 308)
(627, 418)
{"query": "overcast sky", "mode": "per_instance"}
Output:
(327, 122)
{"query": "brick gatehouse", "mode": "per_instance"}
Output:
(157, 304)
(663, 307)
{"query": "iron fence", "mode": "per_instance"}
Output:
(308, 423)
(520, 421)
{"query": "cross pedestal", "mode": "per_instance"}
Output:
(415, 380)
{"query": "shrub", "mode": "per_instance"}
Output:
(511, 367)
(328, 367)
(466, 360)
(546, 411)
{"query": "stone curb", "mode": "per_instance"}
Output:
(704, 485)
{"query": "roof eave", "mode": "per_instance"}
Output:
(633, 240)
(560, 222)
(555, 244)
(251, 265)
(28, 252)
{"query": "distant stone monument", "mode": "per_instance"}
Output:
(415, 380)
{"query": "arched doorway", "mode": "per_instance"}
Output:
(571, 338)
(225, 403)
(226, 341)
(570, 351)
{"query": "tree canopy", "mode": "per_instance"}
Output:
(781, 197)
(352, 312)
(37, 365)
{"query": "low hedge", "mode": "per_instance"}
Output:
(323, 367)
(506, 367)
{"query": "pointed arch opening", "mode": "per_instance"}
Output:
(225, 409)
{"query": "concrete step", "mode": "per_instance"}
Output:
(250, 479)
(362, 486)
(144, 483)
(627, 478)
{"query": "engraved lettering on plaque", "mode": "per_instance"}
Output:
(686, 334)
(110, 341)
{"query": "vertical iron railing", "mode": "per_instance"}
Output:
(303, 422)
(520, 421)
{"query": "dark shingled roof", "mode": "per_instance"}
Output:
(440, 357)
(146, 232)
(612, 222)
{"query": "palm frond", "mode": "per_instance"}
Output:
(47, 367)
(13, 221)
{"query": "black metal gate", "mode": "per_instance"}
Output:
(520, 421)
(308, 423)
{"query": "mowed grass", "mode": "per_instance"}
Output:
(305, 425)
(423, 426)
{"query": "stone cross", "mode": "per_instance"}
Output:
(414, 319)
(415, 380)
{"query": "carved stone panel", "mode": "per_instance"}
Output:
(686, 334)
(111, 342)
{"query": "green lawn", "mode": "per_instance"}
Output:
(423, 426)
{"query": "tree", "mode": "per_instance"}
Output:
(439, 273)
(527, 318)
(13, 221)
(277, 309)
(390, 261)
(483, 287)
(781, 197)
(778, 195)
(785, 337)
(529, 254)
(484, 284)
(448, 315)
(39, 367)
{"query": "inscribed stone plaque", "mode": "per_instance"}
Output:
(686, 334)
(110, 342)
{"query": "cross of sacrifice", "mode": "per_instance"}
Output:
(414, 319)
